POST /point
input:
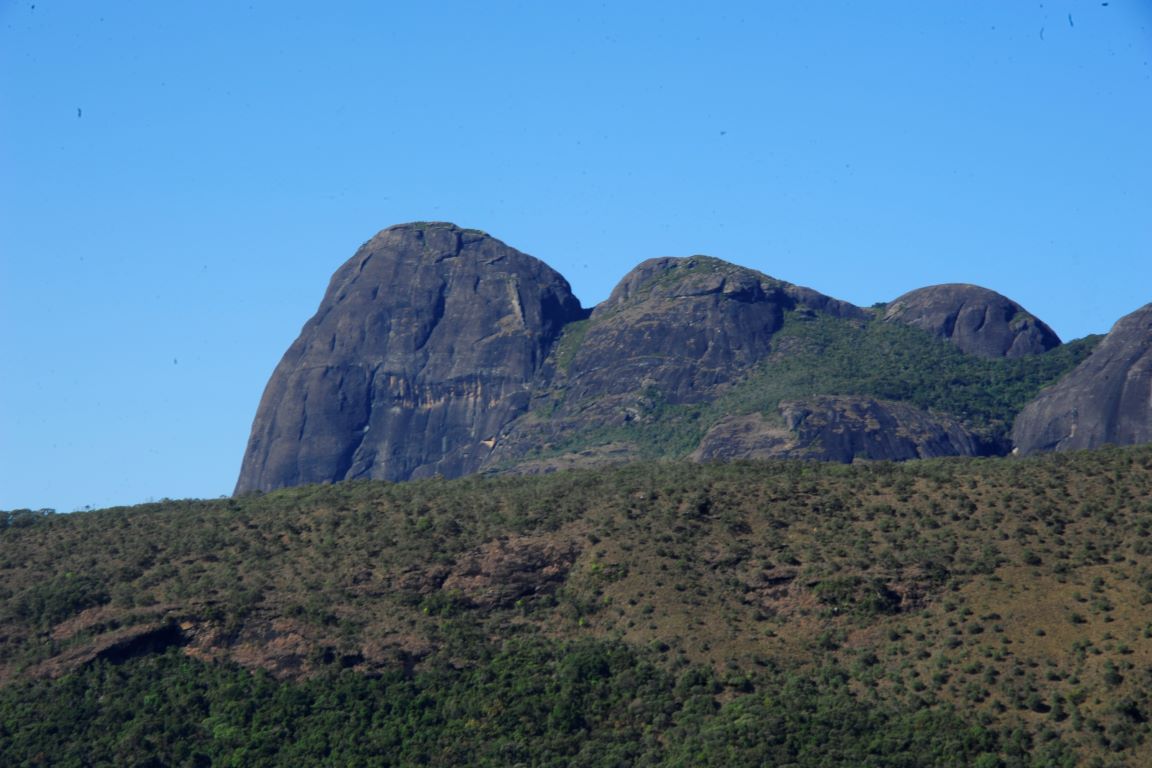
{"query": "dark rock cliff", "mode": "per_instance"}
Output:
(426, 344)
(977, 320)
(1106, 399)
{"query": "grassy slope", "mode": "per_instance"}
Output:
(1014, 592)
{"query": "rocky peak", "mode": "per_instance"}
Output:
(425, 345)
(977, 320)
(682, 277)
(683, 325)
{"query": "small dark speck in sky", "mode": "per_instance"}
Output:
(723, 133)
(79, 112)
(1070, 21)
(175, 361)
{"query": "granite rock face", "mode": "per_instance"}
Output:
(1107, 399)
(841, 429)
(977, 320)
(426, 344)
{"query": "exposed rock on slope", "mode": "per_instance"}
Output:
(426, 344)
(842, 429)
(979, 321)
(673, 331)
(1106, 399)
(684, 325)
(501, 572)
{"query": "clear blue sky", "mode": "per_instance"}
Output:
(179, 180)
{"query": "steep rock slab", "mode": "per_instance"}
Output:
(977, 320)
(1107, 399)
(424, 347)
(839, 428)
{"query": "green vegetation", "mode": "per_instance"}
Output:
(568, 343)
(988, 612)
(588, 703)
(823, 355)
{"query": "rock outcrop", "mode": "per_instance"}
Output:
(505, 571)
(680, 326)
(839, 428)
(441, 350)
(426, 344)
(975, 319)
(1107, 399)
(674, 331)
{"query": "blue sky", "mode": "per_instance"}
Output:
(179, 180)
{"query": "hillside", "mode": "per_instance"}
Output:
(942, 612)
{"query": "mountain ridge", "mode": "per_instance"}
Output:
(455, 353)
